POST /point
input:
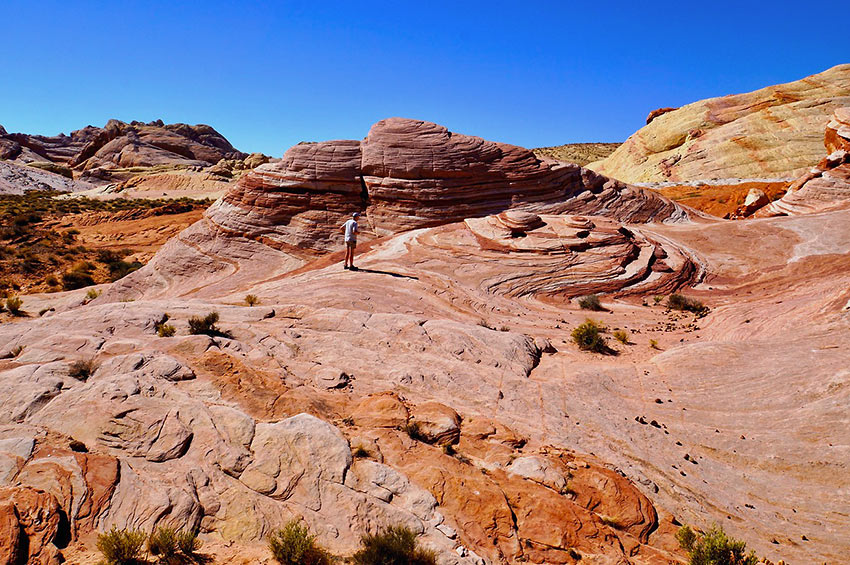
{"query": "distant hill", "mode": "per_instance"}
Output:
(578, 153)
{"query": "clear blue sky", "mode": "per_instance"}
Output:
(270, 74)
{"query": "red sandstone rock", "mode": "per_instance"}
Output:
(660, 111)
(119, 144)
(837, 136)
(409, 174)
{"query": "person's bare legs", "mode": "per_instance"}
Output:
(351, 255)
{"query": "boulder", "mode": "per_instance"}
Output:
(436, 423)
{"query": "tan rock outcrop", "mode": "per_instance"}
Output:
(826, 185)
(771, 132)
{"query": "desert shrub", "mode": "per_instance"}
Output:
(121, 547)
(51, 280)
(394, 546)
(13, 305)
(83, 267)
(189, 544)
(206, 326)
(82, 369)
(73, 280)
(622, 336)
(163, 544)
(166, 330)
(120, 269)
(485, 324)
(412, 430)
(611, 522)
(361, 453)
(714, 548)
(252, 300)
(588, 336)
(657, 298)
(107, 256)
(293, 545)
(92, 294)
(653, 343)
(591, 302)
(679, 302)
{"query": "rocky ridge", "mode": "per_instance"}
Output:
(772, 132)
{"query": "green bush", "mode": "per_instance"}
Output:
(591, 302)
(120, 269)
(679, 302)
(394, 546)
(121, 547)
(172, 547)
(206, 326)
(92, 294)
(166, 330)
(189, 545)
(163, 544)
(13, 305)
(588, 336)
(73, 280)
(293, 545)
(714, 548)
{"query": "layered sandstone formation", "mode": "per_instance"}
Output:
(769, 133)
(826, 185)
(409, 174)
(119, 144)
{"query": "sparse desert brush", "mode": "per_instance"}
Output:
(82, 369)
(120, 269)
(121, 547)
(73, 280)
(252, 300)
(591, 302)
(622, 336)
(188, 544)
(394, 546)
(588, 336)
(51, 280)
(657, 298)
(361, 453)
(92, 294)
(413, 431)
(293, 545)
(13, 305)
(485, 324)
(653, 343)
(164, 329)
(162, 544)
(679, 302)
(206, 326)
(714, 548)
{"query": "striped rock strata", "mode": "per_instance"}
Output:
(826, 185)
(771, 132)
(410, 174)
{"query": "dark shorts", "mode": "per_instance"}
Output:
(351, 244)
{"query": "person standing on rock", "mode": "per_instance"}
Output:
(350, 230)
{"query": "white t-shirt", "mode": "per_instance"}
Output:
(351, 230)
